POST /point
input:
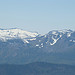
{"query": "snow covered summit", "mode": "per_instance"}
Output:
(7, 34)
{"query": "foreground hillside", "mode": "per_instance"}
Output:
(38, 68)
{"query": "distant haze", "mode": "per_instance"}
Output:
(37, 15)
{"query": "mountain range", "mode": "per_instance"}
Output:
(22, 47)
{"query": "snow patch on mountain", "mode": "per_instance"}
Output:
(72, 40)
(54, 41)
(41, 44)
(17, 34)
(55, 33)
(69, 34)
(37, 44)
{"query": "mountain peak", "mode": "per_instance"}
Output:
(6, 34)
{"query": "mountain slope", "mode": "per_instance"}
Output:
(16, 34)
(55, 47)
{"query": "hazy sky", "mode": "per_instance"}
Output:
(37, 15)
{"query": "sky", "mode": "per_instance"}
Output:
(37, 15)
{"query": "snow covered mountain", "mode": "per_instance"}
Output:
(19, 46)
(55, 37)
(16, 34)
